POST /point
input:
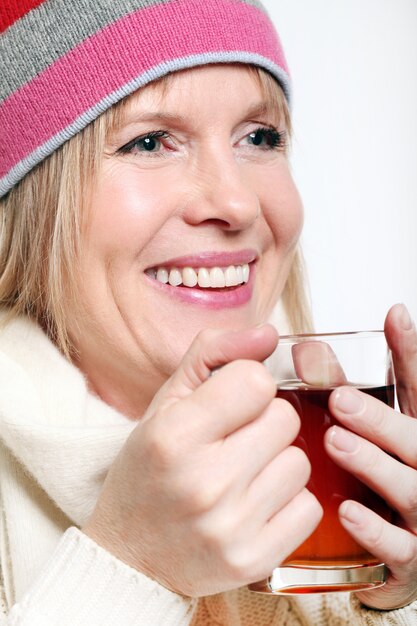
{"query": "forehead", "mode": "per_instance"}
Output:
(212, 88)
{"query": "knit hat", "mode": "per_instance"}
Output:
(64, 62)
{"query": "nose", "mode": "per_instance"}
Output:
(220, 192)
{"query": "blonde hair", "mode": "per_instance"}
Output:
(42, 218)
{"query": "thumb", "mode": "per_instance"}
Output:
(402, 339)
(316, 364)
(214, 348)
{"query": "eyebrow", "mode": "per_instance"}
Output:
(257, 110)
(151, 116)
(260, 109)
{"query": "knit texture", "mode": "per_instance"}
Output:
(64, 63)
(86, 586)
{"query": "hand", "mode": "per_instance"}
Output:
(380, 433)
(207, 494)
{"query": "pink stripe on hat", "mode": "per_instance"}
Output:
(134, 50)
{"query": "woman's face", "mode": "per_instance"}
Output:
(194, 178)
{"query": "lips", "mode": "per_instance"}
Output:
(215, 280)
(202, 277)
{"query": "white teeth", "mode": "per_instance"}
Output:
(217, 278)
(214, 277)
(162, 275)
(230, 276)
(203, 278)
(189, 277)
(175, 278)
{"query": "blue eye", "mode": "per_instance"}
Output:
(268, 138)
(149, 143)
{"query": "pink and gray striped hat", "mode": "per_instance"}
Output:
(64, 62)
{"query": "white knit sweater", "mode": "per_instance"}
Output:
(57, 442)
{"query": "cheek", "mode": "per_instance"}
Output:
(127, 209)
(283, 212)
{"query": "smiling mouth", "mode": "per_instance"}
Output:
(202, 277)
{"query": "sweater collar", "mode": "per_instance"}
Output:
(62, 435)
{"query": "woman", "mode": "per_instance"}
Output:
(146, 199)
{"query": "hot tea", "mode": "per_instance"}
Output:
(330, 544)
(307, 368)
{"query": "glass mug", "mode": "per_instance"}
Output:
(307, 368)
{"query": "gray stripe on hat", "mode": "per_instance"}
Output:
(39, 38)
(48, 32)
(28, 163)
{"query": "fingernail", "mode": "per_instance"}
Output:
(352, 512)
(348, 400)
(405, 319)
(343, 440)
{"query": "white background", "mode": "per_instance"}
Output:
(354, 157)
